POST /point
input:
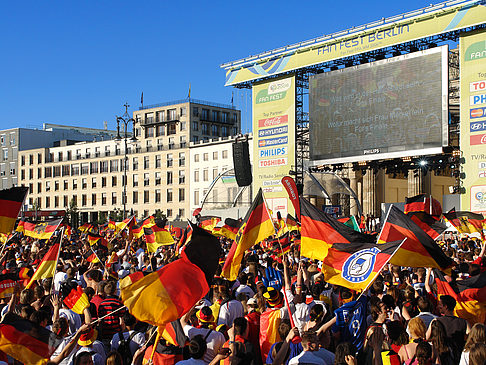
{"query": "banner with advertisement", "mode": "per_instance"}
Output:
(473, 120)
(274, 140)
(358, 40)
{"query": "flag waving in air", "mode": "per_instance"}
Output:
(157, 236)
(319, 231)
(256, 226)
(356, 265)
(465, 222)
(43, 230)
(167, 294)
(10, 203)
(47, 266)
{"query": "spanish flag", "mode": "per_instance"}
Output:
(47, 266)
(165, 295)
(26, 341)
(470, 296)
(356, 265)
(156, 236)
(319, 231)
(419, 250)
(43, 230)
(429, 224)
(465, 222)
(10, 203)
(256, 226)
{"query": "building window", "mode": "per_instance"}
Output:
(181, 213)
(56, 201)
(31, 174)
(39, 187)
(103, 182)
(65, 201)
(84, 183)
(196, 197)
(172, 114)
(171, 143)
(56, 171)
(205, 128)
(135, 180)
(225, 154)
(107, 151)
(225, 117)
(160, 131)
(169, 160)
(157, 195)
(93, 199)
(206, 157)
(195, 139)
(103, 198)
(183, 111)
(48, 202)
(205, 114)
(158, 179)
(169, 212)
(113, 198)
(103, 166)
(56, 185)
(84, 200)
(22, 174)
(113, 181)
(196, 158)
(160, 117)
(182, 141)
(22, 160)
(135, 163)
(149, 132)
(182, 158)
(65, 185)
(182, 177)
(160, 145)
(146, 179)
(214, 130)
(146, 196)
(195, 126)
(31, 159)
(93, 182)
(93, 167)
(215, 173)
(135, 197)
(171, 129)
(182, 126)
(205, 175)
(158, 162)
(181, 194)
(169, 177)
(114, 166)
(196, 175)
(75, 184)
(215, 155)
(146, 162)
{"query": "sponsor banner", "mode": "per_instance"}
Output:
(477, 86)
(270, 182)
(478, 198)
(278, 151)
(477, 126)
(272, 189)
(479, 99)
(477, 139)
(273, 121)
(273, 162)
(273, 141)
(364, 39)
(477, 113)
(472, 47)
(272, 131)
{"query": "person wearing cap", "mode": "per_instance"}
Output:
(270, 320)
(213, 339)
(88, 343)
(253, 318)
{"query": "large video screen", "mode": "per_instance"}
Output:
(389, 108)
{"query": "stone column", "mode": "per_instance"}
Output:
(353, 183)
(419, 183)
(369, 189)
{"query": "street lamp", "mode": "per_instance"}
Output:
(125, 119)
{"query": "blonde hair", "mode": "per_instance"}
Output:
(476, 335)
(417, 328)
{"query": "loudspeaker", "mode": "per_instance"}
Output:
(241, 163)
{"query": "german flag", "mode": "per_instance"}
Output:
(10, 203)
(149, 222)
(186, 236)
(209, 222)
(174, 334)
(93, 238)
(20, 226)
(7, 284)
(465, 222)
(136, 231)
(282, 244)
(269, 323)
(26, 341)
(68, 231)
(256, 226)
(91, 256)
(111, 260)
(356, 265)
(419, 250)
(156, 236)
(85, 227)
(423, 203)
(470, 296)
(176, 232)
(319, 231)
(25, 273)
(47, 266)
(429, 224)
(43, 230)
(230, 228)
(76, 300)
(111, 225)
(292, 224)
(129, 222)
(165, 295)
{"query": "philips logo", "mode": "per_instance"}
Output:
(279, 151)
(477, 99)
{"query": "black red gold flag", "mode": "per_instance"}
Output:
(10, 203)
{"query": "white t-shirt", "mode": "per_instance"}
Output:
(245, 289)
(229, 311)
(73, 319)
(58, 279)
(137, 341)
(214, 340)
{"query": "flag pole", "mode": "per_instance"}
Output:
(106, 315)
(98, 258)
(386, 262)
(384, 221)
(57, 258)
(297, 339)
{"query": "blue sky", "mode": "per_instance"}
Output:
(78, 62)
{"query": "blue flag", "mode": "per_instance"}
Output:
(351, 322)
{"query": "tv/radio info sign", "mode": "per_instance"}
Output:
(473, 120)
(390, 108)
(273, 139)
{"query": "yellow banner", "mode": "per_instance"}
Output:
(473, 120)
(442, 21)
(273, 140)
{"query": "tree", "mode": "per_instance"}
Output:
(72, 213)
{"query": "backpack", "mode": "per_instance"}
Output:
(124, 347)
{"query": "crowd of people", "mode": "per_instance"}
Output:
(279, 310)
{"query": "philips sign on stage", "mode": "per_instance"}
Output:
(273, 152)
